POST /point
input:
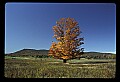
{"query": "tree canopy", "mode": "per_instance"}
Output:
(66, 32)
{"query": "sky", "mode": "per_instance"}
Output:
(29, 25)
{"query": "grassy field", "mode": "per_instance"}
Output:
(29, 67)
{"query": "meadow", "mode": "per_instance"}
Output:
(30, 67)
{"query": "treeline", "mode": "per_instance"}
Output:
(44, 54)
(30, 52)
(96, 55)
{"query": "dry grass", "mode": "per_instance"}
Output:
(53, 68)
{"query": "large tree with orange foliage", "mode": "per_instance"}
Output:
(66, 33)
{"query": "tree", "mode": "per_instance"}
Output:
(66, 33)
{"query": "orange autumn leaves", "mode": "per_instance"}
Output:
(66, 33)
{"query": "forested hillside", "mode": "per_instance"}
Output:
(44, 53)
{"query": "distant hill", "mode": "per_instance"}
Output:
(44, 53)
(98, 55)
(30, 52)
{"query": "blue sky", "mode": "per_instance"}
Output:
(29, 25)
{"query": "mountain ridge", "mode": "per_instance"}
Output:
(48, 50)
(44, 52)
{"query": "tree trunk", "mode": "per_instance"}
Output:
(64, 60)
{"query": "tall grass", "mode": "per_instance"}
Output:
(54, 68)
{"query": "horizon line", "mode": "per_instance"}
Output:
(48, 49)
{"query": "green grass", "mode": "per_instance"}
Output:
(30, 67)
